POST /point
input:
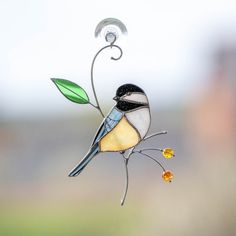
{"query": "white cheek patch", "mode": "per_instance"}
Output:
(140, 119)
(136, 97)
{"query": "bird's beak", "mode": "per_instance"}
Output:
(116, 98)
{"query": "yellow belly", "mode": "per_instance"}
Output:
(121, 138)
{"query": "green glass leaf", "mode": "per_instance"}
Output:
(71, 91)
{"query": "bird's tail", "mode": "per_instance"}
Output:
(92, 152)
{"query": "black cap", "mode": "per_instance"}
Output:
(126, 88)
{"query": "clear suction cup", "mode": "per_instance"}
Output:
(111, 29)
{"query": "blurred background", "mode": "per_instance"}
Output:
(182, 53)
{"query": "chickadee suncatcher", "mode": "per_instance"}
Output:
(129, 120)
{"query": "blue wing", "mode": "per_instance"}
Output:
(108, 124)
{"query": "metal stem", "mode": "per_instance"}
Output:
(155, 134)
(144, 154)
(127, 180)
(92, 67)
(151, 149)
(131, 152)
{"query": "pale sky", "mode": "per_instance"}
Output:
(165, 52)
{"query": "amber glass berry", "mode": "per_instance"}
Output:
(168, 153)
(167, 176)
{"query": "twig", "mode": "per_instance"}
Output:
(151, 149)
(127, 180)
(155, 134)
(132, 151)
(144, 154)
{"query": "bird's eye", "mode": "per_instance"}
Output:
(129, 93)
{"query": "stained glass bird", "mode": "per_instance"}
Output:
(124, 127)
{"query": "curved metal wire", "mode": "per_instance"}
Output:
(144, 154)
(97, 106)
(92, 68)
